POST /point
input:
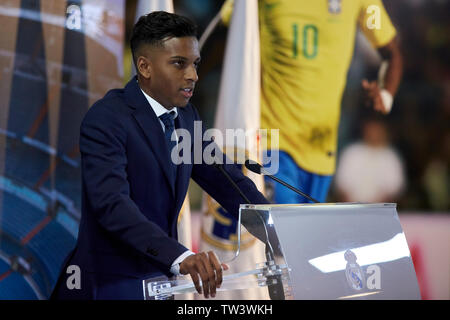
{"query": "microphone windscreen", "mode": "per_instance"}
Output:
(253, 166)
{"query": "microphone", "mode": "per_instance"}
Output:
(255, 167)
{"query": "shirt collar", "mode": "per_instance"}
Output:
(157, 107)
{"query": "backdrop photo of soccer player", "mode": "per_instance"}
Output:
(306, 50)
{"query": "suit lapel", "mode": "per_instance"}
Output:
(151, 127)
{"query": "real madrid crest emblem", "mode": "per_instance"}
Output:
(334, 6)
(353, 272)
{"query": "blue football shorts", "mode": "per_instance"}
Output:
(314, 185)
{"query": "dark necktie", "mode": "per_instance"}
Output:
(169, 124)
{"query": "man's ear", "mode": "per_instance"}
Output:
(144, 67)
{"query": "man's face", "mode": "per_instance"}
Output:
(170, 71)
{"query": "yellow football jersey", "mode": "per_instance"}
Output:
(306, 50)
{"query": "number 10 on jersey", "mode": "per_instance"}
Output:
(310, 40)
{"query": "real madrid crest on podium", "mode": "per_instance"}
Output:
(353, 272)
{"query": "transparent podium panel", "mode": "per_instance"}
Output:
(319, 251)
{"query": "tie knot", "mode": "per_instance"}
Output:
(168, 119)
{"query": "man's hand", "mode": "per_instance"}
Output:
(207, 267)
(373, 96)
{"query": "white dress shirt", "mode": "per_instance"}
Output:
(160, 110)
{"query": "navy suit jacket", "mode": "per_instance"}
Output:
(128, 227)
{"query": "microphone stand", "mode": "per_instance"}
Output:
(267, 242)
(290, 187)
(258, 169)
(276, 291)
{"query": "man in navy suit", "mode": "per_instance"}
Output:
(132, 190)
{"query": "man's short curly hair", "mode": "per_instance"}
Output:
(156, 27)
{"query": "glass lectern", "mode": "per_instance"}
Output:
(319, 251)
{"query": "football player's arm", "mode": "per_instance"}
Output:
(380, 94)
(377, 26)
(391, 54)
